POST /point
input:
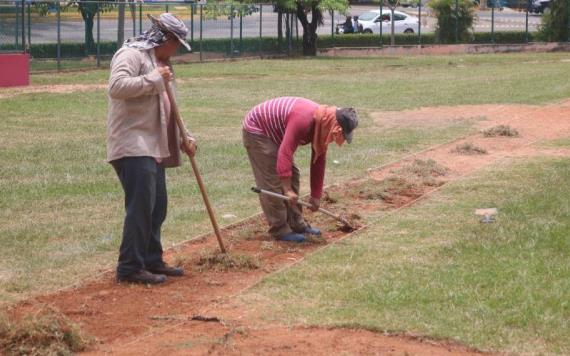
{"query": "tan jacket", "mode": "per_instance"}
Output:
(136, 124)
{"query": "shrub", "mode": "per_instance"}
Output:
(555, 22)
(452, 18)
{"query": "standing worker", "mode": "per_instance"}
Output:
(272, 131)
(142, 140)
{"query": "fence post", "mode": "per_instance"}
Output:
(140, 18)
(456, 21)
(23, 14)
(240, 32)
(201, 25)
(98, 35)
(526, 21)
(493, 23)
(29, 26)
(17, 26)
(332, 26)
(568, 20)
(134, 15)
(58, 36)
(381, 22)
(260, 30)
(419, 22)
(192, 25)
(289, 33)
(231, 31)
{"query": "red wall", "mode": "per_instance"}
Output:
(14, 69)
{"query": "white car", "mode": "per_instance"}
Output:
(403, 23)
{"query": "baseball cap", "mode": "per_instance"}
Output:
(348, 121)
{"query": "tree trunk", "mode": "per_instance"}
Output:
(88, 12)
(89, 41)
(309, 29)
(279, 26)
(121, 25)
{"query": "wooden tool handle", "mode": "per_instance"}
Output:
(184, 138)
(281, 196)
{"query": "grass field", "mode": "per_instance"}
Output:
(61, 206)
(435, 270)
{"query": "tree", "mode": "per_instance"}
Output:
(555, 23)
(88, 11)
(310, 15)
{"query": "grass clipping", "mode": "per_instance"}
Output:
(469, 149)
(45, 332)
(218, 261)
(407, 181)
(501, 130)
(422, 172)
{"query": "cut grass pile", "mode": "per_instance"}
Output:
(45, 332)
(433, 269)
(389, 189)
(422, 172)
(409, 180)
(218, 261)
(315, 239)
(469, 149)
(501, 130)
(354, 223)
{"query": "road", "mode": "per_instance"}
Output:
(45, 31)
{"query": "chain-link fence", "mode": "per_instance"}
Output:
(12, 29)
(86, 33)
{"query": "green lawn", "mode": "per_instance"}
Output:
(435, 270)
(61, 206)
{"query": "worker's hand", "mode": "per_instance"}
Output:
(293, 197)
(165, 73)
(315, 204)
(189, 147)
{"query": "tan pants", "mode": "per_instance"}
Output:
(281, 216)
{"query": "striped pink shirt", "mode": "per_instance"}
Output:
(288, 122)
(270, 118)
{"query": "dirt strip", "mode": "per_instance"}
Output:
(198, 313)
(6, 93)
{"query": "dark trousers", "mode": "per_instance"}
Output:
(143, 181)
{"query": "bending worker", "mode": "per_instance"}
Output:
(143, 140)
(272, 132)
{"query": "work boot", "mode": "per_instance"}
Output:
(166, 270)
(292, 237)
(144, 277)
(312, 230)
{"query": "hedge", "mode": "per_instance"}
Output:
(270, 45)
(370, 40)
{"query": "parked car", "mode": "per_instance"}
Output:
(539, 6)
(403, 23)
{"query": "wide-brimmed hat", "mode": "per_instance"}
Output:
(348, 121)
(169, 23)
